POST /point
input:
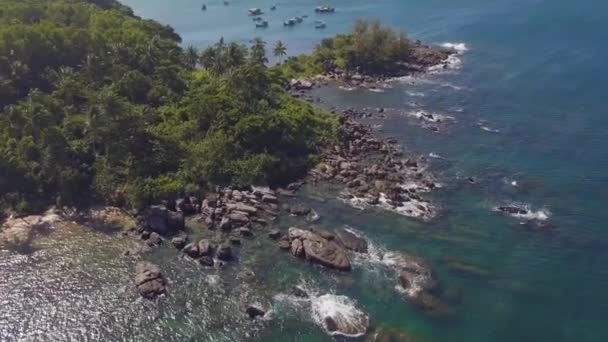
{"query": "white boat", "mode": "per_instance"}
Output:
(255, 11)
(320, 24)
(325, 9)
(263, 24)
(289, 22)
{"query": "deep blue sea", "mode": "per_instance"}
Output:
(533, 76)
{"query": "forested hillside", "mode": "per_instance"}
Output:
(98, 105)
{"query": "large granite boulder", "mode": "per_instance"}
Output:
(149, 280)
(318, 249)
(351, 241)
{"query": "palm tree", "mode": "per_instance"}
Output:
(280, 50)
(258, 51)
(191, 57)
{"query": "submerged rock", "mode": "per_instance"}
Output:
(274, 234)
(149, 280)
(254, 311)
(299, 210)
(224, 253)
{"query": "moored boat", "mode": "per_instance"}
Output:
(255, 11)
(289, 22)
(262, 24)
(325, 9)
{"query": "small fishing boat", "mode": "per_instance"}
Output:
(257, 19)
(263, 24)
(226, 3)
(325, 9)
(289, 22)
(305, 16)
(298, 19)
(273, 7)
(255, 11)
(204, 8)
(320, 24)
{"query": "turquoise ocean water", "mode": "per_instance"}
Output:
(533, 70)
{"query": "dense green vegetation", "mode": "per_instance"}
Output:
(99, 105)
(371, 49)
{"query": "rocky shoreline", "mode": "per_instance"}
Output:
(372, 172)
(424, 59)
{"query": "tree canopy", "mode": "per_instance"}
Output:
(97, 104)
(370, 48)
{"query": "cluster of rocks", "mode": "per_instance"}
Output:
(237, 210)
(204, 250)
(375, 172)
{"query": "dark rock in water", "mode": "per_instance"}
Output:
(163, 221)
(225, 224)
(206, 261)
(269, 199)
(431, 304)
(149, 280)
(284, 244)
(254, 311)
(294, 186)
(513, 210)
(274, 234)
(299, 209)
(297, 248)
(330, 324)
(192, 250)
(245, 232)
(298, 291)
(154, 240)
(179, 241)
(392, 335)
(145, 235)
(224, 253)
(351, 241)
(205, 248)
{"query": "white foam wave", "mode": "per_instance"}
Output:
(415, 93)
(347, 88)
(488, 129)
(459, 47)
(526, 212)
(430, 117)
(376, 90)
(343, 311)
(350, 321)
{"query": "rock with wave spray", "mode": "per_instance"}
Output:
(339, 316)
(351, 241)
